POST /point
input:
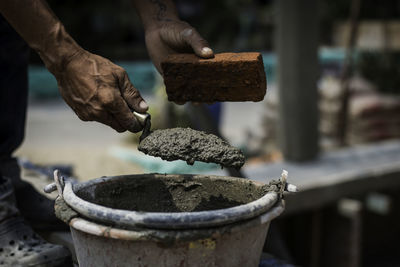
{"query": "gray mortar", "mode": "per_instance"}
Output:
(176, 194)
(63, 211)
(191, 145)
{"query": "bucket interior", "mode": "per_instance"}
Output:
(171, 193)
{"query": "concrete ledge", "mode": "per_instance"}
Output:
(337, 174)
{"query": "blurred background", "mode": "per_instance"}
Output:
(331, 115)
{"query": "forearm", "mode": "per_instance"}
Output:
(154, 12)
(94, 87)
(41, 29)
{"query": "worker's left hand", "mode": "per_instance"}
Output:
(172, 37)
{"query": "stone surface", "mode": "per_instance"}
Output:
(226, 77)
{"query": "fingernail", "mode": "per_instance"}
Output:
(206, 51)
(143, 105)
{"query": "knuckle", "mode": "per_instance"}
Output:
(82, 115)
(93, 115)
(136, 128)
(120, 72)
(202, 41)
(182, 25)
(107, 98)
(119, 129)
(129, 125)
(132, 92)
(187, 32)
(108, 102)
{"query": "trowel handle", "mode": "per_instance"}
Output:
(141, 117)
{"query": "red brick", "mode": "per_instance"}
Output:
(226, 77)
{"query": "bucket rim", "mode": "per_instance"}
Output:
(167, 235)
(166, 220)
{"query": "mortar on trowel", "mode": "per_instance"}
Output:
(187, 144)
(170, 220)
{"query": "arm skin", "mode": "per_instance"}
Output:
(166, 34)
(94, 87)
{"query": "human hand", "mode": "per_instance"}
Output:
(98, 90)
(172, 37)
(94, 87)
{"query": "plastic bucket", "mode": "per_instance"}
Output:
(170, 220)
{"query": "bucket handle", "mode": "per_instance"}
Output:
(59, 184)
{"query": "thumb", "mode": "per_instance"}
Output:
(131, 95)
(199, 44)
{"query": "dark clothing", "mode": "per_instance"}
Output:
(14, 54)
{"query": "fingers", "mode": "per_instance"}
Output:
(108, 119)
(118, 103)
(198, 43)
(116, 112)
(123, 115)
(100, 115)
(180, 36)
(131, 95)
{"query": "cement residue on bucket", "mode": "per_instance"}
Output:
(190, 220)
(169, 193)
(63, 211)
(191, 145)
(176, 194)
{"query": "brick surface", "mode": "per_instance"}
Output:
(226, 77)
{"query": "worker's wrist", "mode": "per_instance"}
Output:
(58, 49)
(154, 14)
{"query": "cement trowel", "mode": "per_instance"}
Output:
(144, 120)
(187, 144)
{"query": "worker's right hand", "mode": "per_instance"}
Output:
(94, 87)
(98, 90)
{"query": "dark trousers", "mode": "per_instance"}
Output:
(14, 54)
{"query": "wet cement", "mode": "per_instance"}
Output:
(176, 194)
(191, 145)
(172, 193)
(63, 211)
